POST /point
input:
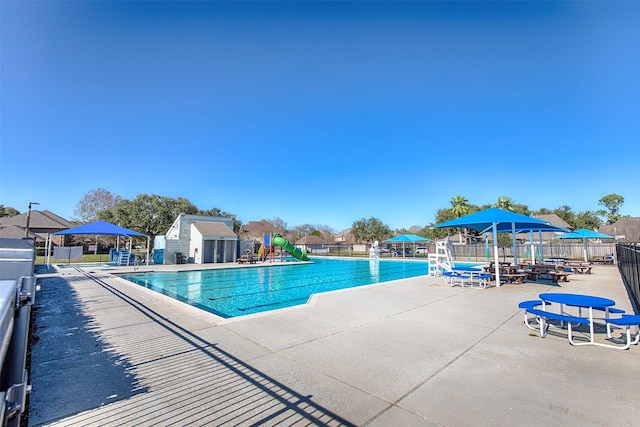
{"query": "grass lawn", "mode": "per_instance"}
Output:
(41, 260)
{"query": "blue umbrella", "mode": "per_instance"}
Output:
(100, 227)
(407, 238)
(501, 220)
(404, 238)
(498, 220)
(584, 234)
(105, 229)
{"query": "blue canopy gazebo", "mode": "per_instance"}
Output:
(406, 238)
(500, 221)
(584, 234)
(103, 228)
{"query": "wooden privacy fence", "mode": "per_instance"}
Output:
(481, 252)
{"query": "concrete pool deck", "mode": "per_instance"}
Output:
(413, 352)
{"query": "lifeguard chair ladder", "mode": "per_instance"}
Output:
(441, 260)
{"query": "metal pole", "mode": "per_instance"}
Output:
(48, 249)
(496, 255)
(513, 243)
(26, 230)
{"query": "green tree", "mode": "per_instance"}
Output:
(566, 214)
(587, 219)
(505, 240)
(522, 209)
(108, 215)
(505, 203)
(360, 230)
(93, 202)
(433, 233)
(8, 211)
(447, 214)
(543, 211)
(612, 203)
(369, 230)
(444, 215)
(460, 207)
(151, 214)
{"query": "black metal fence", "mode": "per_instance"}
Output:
(628, 255)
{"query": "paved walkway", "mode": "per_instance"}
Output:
(413, 352)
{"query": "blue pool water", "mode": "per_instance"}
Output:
(239, 291)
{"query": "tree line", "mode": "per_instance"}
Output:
(372, 229)
(153, 214)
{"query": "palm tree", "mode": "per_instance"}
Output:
(505, 203)
(460, 207)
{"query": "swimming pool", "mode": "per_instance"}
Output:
(239, 291)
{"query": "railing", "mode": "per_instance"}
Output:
(628, 255)
(16, 299)
(17, 295)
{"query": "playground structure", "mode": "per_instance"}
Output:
(271, 242)
(442, 259)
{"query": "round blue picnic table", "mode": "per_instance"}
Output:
(581, 301)
(578, 300)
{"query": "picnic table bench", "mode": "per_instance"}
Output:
(601, 259)
(559, 276)
(547, 271)
(508, 273)
(516, 278)
(578, 267)
(544, 317)
(247, 259)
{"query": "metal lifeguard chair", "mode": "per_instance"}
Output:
(441, 260)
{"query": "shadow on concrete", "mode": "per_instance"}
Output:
(72, 369)
(246, 396)
(237, 393)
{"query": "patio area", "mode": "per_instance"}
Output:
(413, 352)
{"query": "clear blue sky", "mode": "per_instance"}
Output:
(321, 112)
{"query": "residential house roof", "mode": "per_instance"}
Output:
(214, 229)
(547, 235)
(17, 232)
(41, 223)
(555, 220)
(38, 219)
(345, 236)
(625, 229)
(256, 229)
(262, 226)
(311, 239)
